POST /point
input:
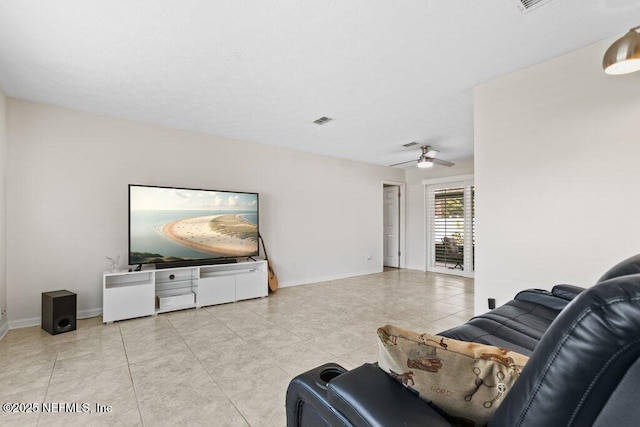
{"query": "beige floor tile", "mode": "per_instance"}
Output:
(248, 374)
(90, 344)
(109, 388)
(265, 306)
(16, 337)
(223, 353)
(89, 364)
(141, 350)
(463, 300)
(446, 308)
(188, 322)
(144, 325)
(166, 367)
(226, 312)
(366, 354)
(340, 342)
(271, 338)
(263, 405)
(297, 358)
(11, 361)
(446, 323)
(309, 328)
(146, 332)
(95, 326)
(34, 345)
(248, 326)
(188, 400)
(229, 363)
(32, 398)
(207, 340)
(26, 374)
(287, 318)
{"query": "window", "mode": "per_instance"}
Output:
(450, 227)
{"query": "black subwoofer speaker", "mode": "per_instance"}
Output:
(58, 312)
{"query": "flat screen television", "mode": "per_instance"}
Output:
(185, 226)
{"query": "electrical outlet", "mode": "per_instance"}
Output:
(3, 312)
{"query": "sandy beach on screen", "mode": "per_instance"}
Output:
(196, 233)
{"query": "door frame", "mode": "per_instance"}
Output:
(401, 220)
(425, 183)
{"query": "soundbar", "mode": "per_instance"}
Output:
(194, 263)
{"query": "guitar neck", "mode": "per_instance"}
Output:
(264, 248)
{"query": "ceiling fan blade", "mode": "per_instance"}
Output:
(403, 163)
(442, 162)
(431, 153)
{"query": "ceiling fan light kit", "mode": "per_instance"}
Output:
(623, 56)
(424, 163)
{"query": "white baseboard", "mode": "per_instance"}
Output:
(311, 280)
(87, 314)
(415, 267)
(36, 321)
(24, 323)
(4, 327)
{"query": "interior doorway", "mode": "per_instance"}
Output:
(393, 225)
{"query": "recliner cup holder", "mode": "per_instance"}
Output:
(308, 397)
(328, 374)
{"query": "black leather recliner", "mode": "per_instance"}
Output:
(584, 366)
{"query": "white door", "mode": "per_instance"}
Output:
(391, 218)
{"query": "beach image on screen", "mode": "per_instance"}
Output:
(171, 224)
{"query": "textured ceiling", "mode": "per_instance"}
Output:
(387, 72)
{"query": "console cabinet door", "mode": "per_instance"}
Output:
(216, 290)
(251, 285)
(126, 302)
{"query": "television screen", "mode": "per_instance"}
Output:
(181, 224)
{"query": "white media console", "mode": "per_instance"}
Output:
(143, 293)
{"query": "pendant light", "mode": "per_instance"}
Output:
(623, 56)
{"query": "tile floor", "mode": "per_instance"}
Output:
(225, 365)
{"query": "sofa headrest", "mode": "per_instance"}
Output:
(580, 360)
(623, 268)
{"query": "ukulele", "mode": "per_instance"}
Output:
(273, 279)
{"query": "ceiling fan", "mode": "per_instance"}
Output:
(427, 159)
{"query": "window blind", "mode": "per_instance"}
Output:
(449, 230)
(450, 226)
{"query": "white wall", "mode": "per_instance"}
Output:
(3, 212)
(416, 219)
(67, 200)
(556, 174)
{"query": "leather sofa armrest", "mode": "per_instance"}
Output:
(567, 292)
(368, 397)
(306, 400)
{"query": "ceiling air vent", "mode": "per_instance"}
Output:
(322, 120)
(526, 5)
(410, 144)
